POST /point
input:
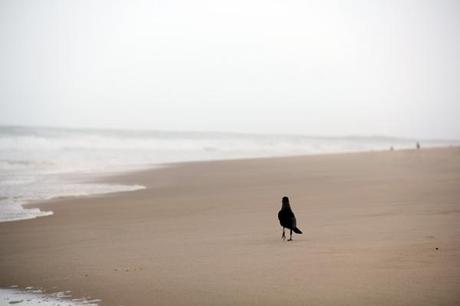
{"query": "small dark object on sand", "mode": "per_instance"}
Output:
(287, 219)
(437, 249)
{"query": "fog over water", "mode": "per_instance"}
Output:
(325, 67)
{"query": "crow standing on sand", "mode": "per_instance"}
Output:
(287, 219)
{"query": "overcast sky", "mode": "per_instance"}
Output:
(309, 67)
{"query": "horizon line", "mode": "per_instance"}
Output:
(336, 136)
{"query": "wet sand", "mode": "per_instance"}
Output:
(207, 234)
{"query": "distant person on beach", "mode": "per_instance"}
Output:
(417, 145)
(287, 219)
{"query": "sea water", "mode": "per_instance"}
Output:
(35, 297)
(38, 163)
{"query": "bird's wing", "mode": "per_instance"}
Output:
(293, 221)
(287, 218)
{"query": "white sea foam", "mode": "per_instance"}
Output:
(34, 297)
(43, 163)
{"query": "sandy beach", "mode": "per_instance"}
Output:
(380, 228)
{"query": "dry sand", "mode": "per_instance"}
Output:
(207, 234)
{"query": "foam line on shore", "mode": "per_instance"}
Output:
(35, 297)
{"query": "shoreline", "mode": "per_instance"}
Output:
(132, 248)
(109, 178)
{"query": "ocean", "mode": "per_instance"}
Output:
(41, 163)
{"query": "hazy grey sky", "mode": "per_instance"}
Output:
(311, 67)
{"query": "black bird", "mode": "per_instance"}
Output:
(287, 219)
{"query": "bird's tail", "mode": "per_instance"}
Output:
(297, 230)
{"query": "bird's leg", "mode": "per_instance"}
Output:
(290, 236)
(283, 236)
